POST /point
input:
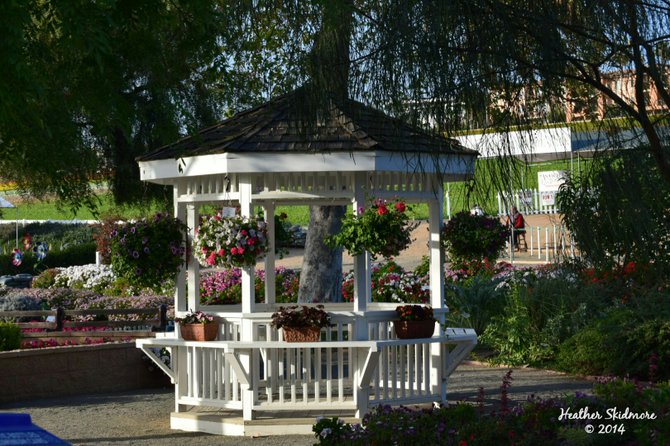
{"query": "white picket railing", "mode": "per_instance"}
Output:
(338, 373)
(546, 243)
(527, 201)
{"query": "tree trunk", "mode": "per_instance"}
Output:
(321, 275)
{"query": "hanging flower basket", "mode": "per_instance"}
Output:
(383, 229)
(230, 241)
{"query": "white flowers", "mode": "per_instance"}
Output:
(88, 277)
(230, 241)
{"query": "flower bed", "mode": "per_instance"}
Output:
(536, 422)
(391, 283)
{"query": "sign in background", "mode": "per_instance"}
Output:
(548, 184)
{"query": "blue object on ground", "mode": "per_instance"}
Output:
(18, 429)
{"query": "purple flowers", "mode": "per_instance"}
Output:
(148, 252)
(225, 287)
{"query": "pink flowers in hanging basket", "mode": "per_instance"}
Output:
(230, 241)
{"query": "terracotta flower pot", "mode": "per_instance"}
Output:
(302, 334)
(199, 332)
(414, 329)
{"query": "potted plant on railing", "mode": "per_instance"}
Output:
(414, 321)
(301, 323)
(383, 229)
(230, 241)
(198, 326)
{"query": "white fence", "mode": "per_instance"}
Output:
(544, 243)
(337, 373)
(527, 201)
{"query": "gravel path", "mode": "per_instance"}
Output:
(142, 417)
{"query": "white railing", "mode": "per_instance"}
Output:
(545, 243)
(527, 201)
(337, 373)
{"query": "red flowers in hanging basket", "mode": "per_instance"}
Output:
(383, 229)
(230, 241)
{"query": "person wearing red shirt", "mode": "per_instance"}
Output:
(517, 224)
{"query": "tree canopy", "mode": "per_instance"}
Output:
(90, 85)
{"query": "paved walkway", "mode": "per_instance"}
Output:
(142, 417)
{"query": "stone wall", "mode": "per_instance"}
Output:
(75, 370)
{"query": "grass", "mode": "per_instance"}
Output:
(49, 210)
(458, 200)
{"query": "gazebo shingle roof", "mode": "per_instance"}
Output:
(277, 126)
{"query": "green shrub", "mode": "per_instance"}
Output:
(621, 344)
(513, 335)
(619, 211)
(423, 268)
(474, 302)
(541, 311)
(46, 279)
(10, 336)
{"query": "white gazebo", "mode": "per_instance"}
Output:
(249, 377)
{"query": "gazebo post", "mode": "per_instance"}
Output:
(270, 292)
(180, 282)
(361, 269)
(193, 277)
(248, 297)
(362, 292)
(248, 306)
(436, 276)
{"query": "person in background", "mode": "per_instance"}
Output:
(476, 210)
(517, 226)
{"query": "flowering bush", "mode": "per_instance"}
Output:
(301, 316)
(225, 287)
(467, 238)
(86, 277)
(150, 301)
(382, 229)
(149, 251)
(537, 421)
(195, 317)
(390, 283)
(414, 313)
(230, 241)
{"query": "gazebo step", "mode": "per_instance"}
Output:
(223, 422)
